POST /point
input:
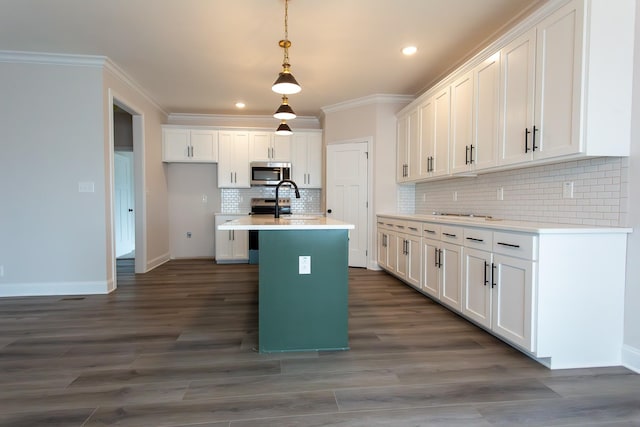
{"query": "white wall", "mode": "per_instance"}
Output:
(51, 139)
(152, 216)
(631, 351)
(189, 186)
(370, 118)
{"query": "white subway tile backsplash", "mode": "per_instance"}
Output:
(600, 190)
(238, 200)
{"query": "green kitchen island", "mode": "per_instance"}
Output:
(303, 282)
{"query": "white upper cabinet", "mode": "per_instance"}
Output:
(542, 89)
(434, 133)
(408, 148)
(266, 146)
(306, 159)
(233, 168)
(462, 143)
(189, 145)
(555, 87)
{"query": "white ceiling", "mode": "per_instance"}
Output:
(201, 56)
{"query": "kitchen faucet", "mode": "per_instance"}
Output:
(295, 187)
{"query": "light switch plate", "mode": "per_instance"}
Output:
(304, 264)
(567, 190)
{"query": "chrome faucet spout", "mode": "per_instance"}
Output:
(295, 187)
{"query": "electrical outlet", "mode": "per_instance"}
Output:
(500, 194)
(188, 234)
(1, 270)
(424, 197)
(304, 264)
(455, 196)
(567, 190)
(205, 199)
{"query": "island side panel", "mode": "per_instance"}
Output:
(299, 312)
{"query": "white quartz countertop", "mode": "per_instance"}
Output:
(285, 222)
(510, 225)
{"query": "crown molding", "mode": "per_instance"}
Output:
(21, 57)
(368, 100)
(95, 61)
(242, 121)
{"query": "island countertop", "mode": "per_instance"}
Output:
(291, 222)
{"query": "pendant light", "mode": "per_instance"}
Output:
(284, 129)
(286, 84)
(285, 112)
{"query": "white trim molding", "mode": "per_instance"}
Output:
(368, 100)
(240, 121)
(631, 358)
(98, 287)
(158, 261)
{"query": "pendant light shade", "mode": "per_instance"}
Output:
(286, 84)
(284, 129)
(285, 112)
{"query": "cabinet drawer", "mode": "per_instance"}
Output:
(431, 230)
(451, 233)
(516, 244)
(478, 238)
(414, 228)
(397, 225)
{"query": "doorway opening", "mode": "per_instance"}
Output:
(126, 248)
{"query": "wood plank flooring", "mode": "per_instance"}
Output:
(176, 347)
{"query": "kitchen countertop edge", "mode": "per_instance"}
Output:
(512, 225)
(262, 222)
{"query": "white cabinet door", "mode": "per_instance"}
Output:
(231, 245)
(414, 256)
(260, 146)
(442, 111)
(393, 250)
(402, 149)
(408, 147)
(486, 113)
(204, 145)
(281, 148)
(176, 146)
(476, 286)
(427, 117)
(517, 96)
(431, 267)
(383, 252)
(450, 287)
(233, 166)
(401, 256)
(512, 300)
(462, 144)
(306, 159)
(558, 82)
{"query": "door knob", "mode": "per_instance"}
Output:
(328, 210)
(130, 210)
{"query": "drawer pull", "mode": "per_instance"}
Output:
(473, 239)
(510, 245)
(413, 228)
(430, 231)
(449, 235)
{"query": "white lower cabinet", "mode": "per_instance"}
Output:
(555, 293)
(497, 294)
(232, 246)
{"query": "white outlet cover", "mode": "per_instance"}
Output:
(304, 264)
(567, 190)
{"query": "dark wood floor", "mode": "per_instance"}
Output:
(176, 347)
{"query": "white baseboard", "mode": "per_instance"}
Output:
(631, 358)
(373, 265)
(53, 288)
(158, 261)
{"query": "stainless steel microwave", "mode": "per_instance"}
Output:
(269, 173)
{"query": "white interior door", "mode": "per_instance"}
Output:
(347, 194)
(124, 214)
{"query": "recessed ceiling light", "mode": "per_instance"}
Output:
(409, 50)
(240, 105)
